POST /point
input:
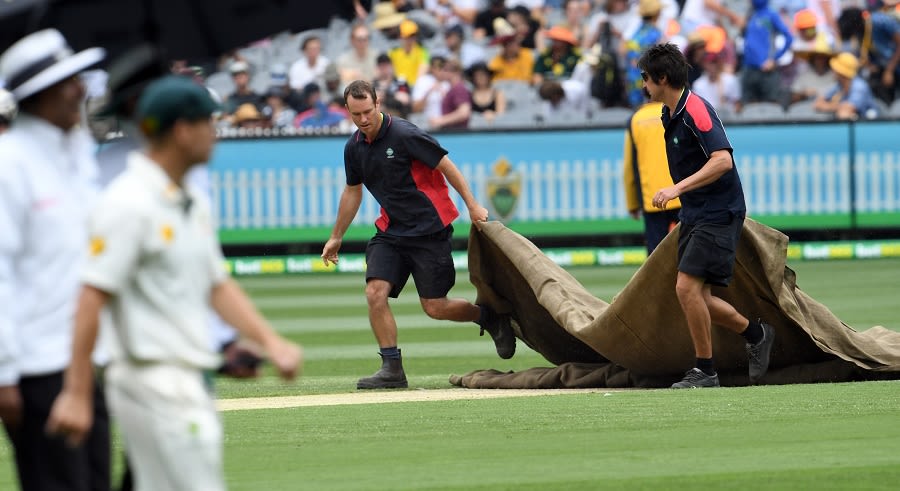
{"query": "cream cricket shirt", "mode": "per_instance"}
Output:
(47, 188)
(159, 258)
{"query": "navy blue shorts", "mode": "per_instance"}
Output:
(428, 259)
(707, 250)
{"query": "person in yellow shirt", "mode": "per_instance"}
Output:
(513, 62)
(645, 171)
(410, 59)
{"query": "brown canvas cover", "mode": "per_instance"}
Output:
(640, 338)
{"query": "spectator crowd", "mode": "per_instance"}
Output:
(458, 63)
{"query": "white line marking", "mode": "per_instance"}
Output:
(383, 397)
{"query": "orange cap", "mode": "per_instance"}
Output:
(713, 37)
(804, 19)
(560, 33)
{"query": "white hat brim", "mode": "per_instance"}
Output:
(389, 21)
(62, 70)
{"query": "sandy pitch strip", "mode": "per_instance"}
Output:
(382, 397)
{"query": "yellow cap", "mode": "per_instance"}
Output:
(408, 28)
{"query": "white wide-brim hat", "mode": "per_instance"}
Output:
(42, 59)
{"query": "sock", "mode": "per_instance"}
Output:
(706, 366)
(485, 315)
(754, 333)
(392, 353)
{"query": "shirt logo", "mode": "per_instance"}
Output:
(97, 246)
(389, 153)
(675, 140)
(167, 233)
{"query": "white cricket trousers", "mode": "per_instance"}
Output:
(170, 427)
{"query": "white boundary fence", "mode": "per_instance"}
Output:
(565, 190)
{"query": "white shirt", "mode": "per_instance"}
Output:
(440, 11)
(810, 79)
(576, 100)
(422, 91)
(723, 94)
(160, 264)
(816, 7)
(622, 23)
(113, 158)
(583, 72)
(470, 54)
(47, 186)
(301, 74)
(694, 13)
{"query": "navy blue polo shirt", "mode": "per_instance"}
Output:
(399, 169)
(692, 134)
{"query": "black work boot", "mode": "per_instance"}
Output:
(389, 376)
(499, 328)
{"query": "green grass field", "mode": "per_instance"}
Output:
(825, 436)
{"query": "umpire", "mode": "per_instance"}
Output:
(47, 185)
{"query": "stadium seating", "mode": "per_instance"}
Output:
(566, 119)
(478, 122)
(523, 103)
(258, 56)
(516, 120)
(519, 95)
(260, 82)
(762, 111)
(883, 110)
(418, 119)
(221, 83)
(611, 116)
(805, 111)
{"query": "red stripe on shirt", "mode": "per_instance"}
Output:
(383, 221)
(431, 182)
(698, 111)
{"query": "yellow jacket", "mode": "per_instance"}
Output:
(409, 65)
(521, 68)
(646, 165)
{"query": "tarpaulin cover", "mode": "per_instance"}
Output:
(640, 338)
